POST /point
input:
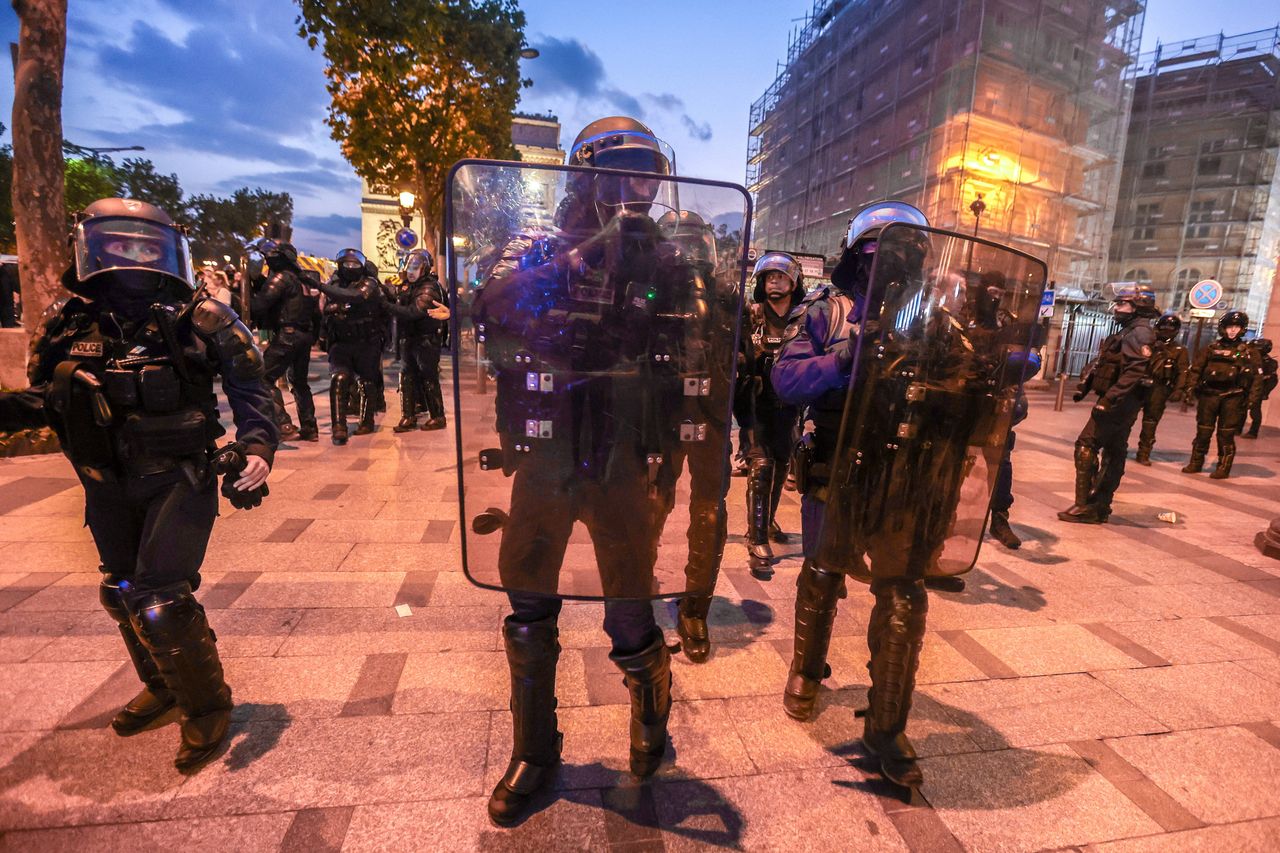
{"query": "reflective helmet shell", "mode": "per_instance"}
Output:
(1233, 318)
(351, 264)
(691, 233)
(417, 264)
(619, 142)
(117, 234)
(777, 262)
(1140, 296)
(866, 223)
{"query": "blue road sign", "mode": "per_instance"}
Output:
(1205, 294)
(1046, 303)
(406, 239)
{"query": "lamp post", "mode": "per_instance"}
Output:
(977, 209)
(407, 203)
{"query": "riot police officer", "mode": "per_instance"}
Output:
(125, 371)
(1167, 371)
(556, 313)
(353, 315)
(779, 287)
(1227, 382)
(1119, 379)
(289, 308)
(423, 329)
(1269, 380)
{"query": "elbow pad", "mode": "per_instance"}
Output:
(233, 343)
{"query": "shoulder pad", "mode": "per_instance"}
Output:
(210, 316)
(819, 293)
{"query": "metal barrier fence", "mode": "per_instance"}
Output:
(1083, 329)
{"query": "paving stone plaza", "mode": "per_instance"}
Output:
(1111, 688)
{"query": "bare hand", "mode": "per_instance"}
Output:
(440, 312)
(255, 473)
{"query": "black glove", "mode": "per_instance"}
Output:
(230, 461)
(1077, 397)
(1102, 407)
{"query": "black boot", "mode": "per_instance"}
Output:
(817, 596)
(776, 533)
(309, 431)
(1002, 532)
(759, 485)
(895, 635)
(1082, 511)
(648, 677)
(171, 625)
(434, 424)
(532, 651)
(1226, 455)
(368, 406)
(338, 395)
(691, 625)
(1143, 456)
(1199, 450)
(156, 698)
(408, 406)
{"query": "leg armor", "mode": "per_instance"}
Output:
(1083, 511)
(172, 627)
(648, 677)
(1002, 532)
(408, 404)
(532, 651)
(707, 532)
(779, 480)
(1199, 449)
(339, 393)
(368, 407)
(818, 593)
(1226, 454)
(759, 487)
(895, 635)
(156, 698)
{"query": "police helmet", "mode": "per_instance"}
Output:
(279, 256)
(866, 225)
(620, 142)
(1140, 296)
(371, 269)
(1262, 345)
(777, 262)
(351, 264)
(1233, 318)
(691, 234)
(1168, 325)
(417, 265)
(121, 240)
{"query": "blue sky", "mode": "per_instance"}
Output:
(225, 94)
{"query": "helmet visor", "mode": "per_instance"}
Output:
(416, 266)
(118, 243)
(778, 262)
(633, 158)
(877, 216)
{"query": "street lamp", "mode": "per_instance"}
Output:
(977, 209)
(407, 202)
(527, 52)
(95, 153)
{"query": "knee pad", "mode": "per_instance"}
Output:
(163, 618)
(111, 593)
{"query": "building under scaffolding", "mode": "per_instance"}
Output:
(1200, 194)
(1024, 102)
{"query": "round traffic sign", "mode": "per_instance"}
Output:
(1205, 294)
(406, 239)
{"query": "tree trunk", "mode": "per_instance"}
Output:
(38, 213)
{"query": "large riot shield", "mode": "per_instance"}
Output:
(941, 356)
(607, 308)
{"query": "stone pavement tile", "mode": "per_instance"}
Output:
(74, 591)
(1186, 601)
(574, 820)
(86, 776)
(1197, 695)
(1052, 649)
(69, 503)
(775, 742)
(580, 623)
(1021, 712)
(233, 556)
(985, 603)
(1100, 604)
(1219, 775)
(23, 635)
(308, 507)
(241, 633)
(452, 589)
(38, 695)
(411, 507)
(308, 763)
(477, 681)
(1267, 625)
(322, 589)
(402, 557)
(1255, 836)
(734, 670)
(1187, 640)
(267, 688)
(777, 811)
(381, 630)
(247, 526)
(702, 743)
(246, 834)
(67, 557)
(371, 530)
(49, 529)
(1028, 799)
(1268, 667)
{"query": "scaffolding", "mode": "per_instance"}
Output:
(1201, 188)
(1022, 101)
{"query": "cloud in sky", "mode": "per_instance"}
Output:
(334, 223)
(569, 68)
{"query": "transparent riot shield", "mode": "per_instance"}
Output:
(939, 364)
(593, 439)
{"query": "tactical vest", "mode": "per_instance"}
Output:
(1163, 367)
(125, 406)
(425, 327)
(299, 308)
(354, 321)
(1226, 368)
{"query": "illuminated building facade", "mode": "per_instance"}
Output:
(1200, 196)
(937, 102)
(536, 137)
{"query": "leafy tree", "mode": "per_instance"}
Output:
(221, 226)
(418, 85)
(137, 178)
(85, 182)
(8, 244)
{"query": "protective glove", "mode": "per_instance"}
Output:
(231, 461)
(1102, 407)
(1077, 397)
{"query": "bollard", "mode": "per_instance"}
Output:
(482, 375)
(1062, 390)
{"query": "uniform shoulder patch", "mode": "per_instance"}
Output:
(1146, 351)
